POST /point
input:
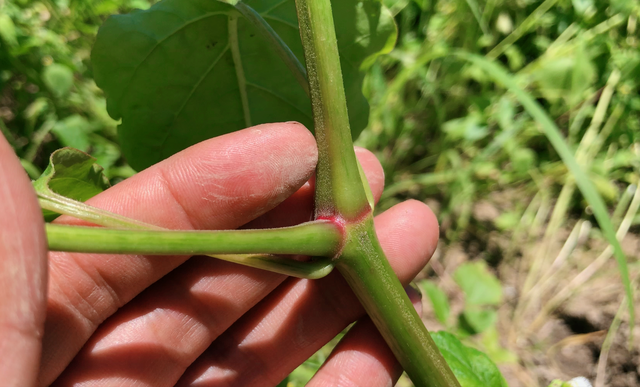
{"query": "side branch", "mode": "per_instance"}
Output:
(317, 238)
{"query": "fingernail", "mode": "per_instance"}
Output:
(414, 292)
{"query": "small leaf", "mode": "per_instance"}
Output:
(490, 341)
(479, 319)
(72, 174)
(479, 285)
(471, 367)
(73, 132)
(468, 128)
(58, 78)
(438, 300)
(567, 77)
(582, 6)
(507, 221)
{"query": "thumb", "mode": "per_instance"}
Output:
(23, 273)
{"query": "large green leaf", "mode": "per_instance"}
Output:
(71, 174)
(187, 70)
(471, 367)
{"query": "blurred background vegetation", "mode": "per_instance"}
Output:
(522, 271)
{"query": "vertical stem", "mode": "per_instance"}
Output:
(338, 186)
(366, 269)
(340, 195)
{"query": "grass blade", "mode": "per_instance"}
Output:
(551, 131)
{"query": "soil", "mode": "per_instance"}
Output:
(567, 342)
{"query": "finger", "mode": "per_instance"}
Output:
(23, 273)
(157, 335)
(301, 316)
(298, 208)
(221, 183)
(362, 358)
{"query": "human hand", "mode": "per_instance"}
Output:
(156, 321)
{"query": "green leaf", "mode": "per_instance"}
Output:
(187, 70)
(479, 285)
(73, 132)
(490, 341)
(468, 128)
(471, 367)
(567, 77)
(72, 174)
(438, 300)
(582, 6)
(508, 221)
(58, 78)
(479, 319)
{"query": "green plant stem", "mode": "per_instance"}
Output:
(339, 189)
(366, 269)
(317, 238)
(340, 196)
(280, 47)
(282, 265)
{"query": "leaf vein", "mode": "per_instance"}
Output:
(237, 62)
(283, 99)
(277, 19)
(159, 42)
(275, 6)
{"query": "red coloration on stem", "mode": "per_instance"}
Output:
(341, 224)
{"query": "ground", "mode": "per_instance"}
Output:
(566, 342)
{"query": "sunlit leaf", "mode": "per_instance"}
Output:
(58, 78)
(479, 285)
(73, 132)
(438, 300)
(471, 367)
(479, 319)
